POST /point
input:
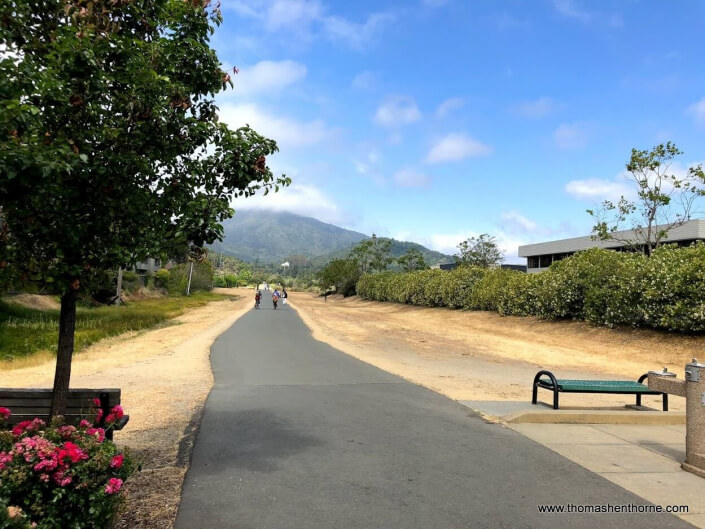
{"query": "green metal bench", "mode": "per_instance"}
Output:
(546, 380)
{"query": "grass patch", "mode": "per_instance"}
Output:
(25, 332)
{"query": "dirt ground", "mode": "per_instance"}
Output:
(482, 356)
(165, 378)
(165, 373)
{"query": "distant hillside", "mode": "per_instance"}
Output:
(271, 237)
(397, 249)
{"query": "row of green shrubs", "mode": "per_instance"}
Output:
(665, 290)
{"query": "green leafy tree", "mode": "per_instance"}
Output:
(664, 200)
(110, 145)
(372, 255)
(245, 276)
(412, 260)
(342, 274)
(480, 251)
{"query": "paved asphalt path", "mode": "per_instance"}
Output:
(296, 434)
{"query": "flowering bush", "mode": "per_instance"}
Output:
(62, 476)
(664, 291)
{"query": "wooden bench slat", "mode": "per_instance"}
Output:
(70, 403)
(78, 393)
(29, 403)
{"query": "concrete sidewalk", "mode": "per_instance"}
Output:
(642, 458)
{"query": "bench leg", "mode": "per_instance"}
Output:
(665, 402)
(555, 399)
(638, 399)
(534, 395)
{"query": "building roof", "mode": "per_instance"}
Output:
(691, 230)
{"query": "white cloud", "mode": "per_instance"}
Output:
(447, 242)
(411, 178)
(285, 130)
(538, 108)
(267, 77)
(571, 136)
(515, 222)
(307, 19)
(623, 185)
(398, 111)
(570, 9)
(364, 80)
(597, 189)
(301, 199)
(287, 14)
(455, 147)
(355, 35)
(449, 105)
(697, 110)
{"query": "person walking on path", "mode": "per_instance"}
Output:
(275, 299)
(258, 298)
(285, 295)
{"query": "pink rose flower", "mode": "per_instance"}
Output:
(66, 432)
(5, 413)
(97, 432)
(20, 427)
(113, 485)
(116, 462)
(5, 458)
(73, 452)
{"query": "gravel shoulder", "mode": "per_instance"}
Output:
(484, 356)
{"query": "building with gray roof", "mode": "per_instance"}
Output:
(539, 256)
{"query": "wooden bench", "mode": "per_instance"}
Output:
(26, 404)
(546, 380)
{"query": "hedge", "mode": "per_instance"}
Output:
(604, 287)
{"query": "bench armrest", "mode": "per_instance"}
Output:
(120, 423)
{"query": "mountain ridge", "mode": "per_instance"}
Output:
(272, 237)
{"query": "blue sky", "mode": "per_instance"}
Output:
(436, 120)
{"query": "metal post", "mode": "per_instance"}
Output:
(190, 273)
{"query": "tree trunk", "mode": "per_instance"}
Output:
(118, 291)
(62, 375)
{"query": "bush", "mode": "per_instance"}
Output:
(604, 287)
(674, 288)
(161, 278)
(61, 477)
(130, 281)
